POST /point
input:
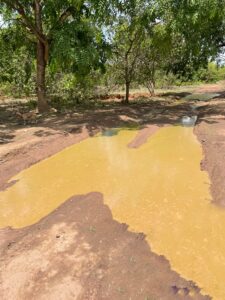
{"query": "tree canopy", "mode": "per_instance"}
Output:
(131, 39)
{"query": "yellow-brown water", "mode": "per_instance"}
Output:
(157, 189)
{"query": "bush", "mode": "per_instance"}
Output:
(166, 81)
(17, 75)
(69, 90)
(211, 74)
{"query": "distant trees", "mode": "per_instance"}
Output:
(177, 37)
(154, 56)
(126, 50)
(132, 30)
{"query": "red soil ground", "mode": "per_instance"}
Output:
(61, 257)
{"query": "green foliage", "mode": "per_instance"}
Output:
(154, 56)
(134, 23)
(16, 63)
(165, 80)
(68, 33)
(198, 29)
(108, 43)
(69, 90)
(212, 73)
(76, 48)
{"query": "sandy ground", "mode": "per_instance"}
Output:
(79, 251)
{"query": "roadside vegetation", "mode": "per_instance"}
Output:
(67, 53)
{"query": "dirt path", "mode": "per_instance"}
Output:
(79, 251)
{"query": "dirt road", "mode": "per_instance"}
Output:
(79, 251)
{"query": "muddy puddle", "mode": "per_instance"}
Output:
(157, 189)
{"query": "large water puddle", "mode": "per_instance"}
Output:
(157, 189)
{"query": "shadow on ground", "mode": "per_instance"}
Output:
(80, 252)
(94, 119)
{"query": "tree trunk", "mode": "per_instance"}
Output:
(41, 66)
(127, 77)
(41, 60)
(151, 87)
(127, 92)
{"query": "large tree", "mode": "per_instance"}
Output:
(51, 24)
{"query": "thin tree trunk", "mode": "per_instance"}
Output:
(41, 61)
(151, 88)
(127, 92)
(127, 81)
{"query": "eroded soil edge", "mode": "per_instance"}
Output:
(211, 135)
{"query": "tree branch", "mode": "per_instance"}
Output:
(63, 17)
(17, 6)
(68, 12)
(132, 42)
